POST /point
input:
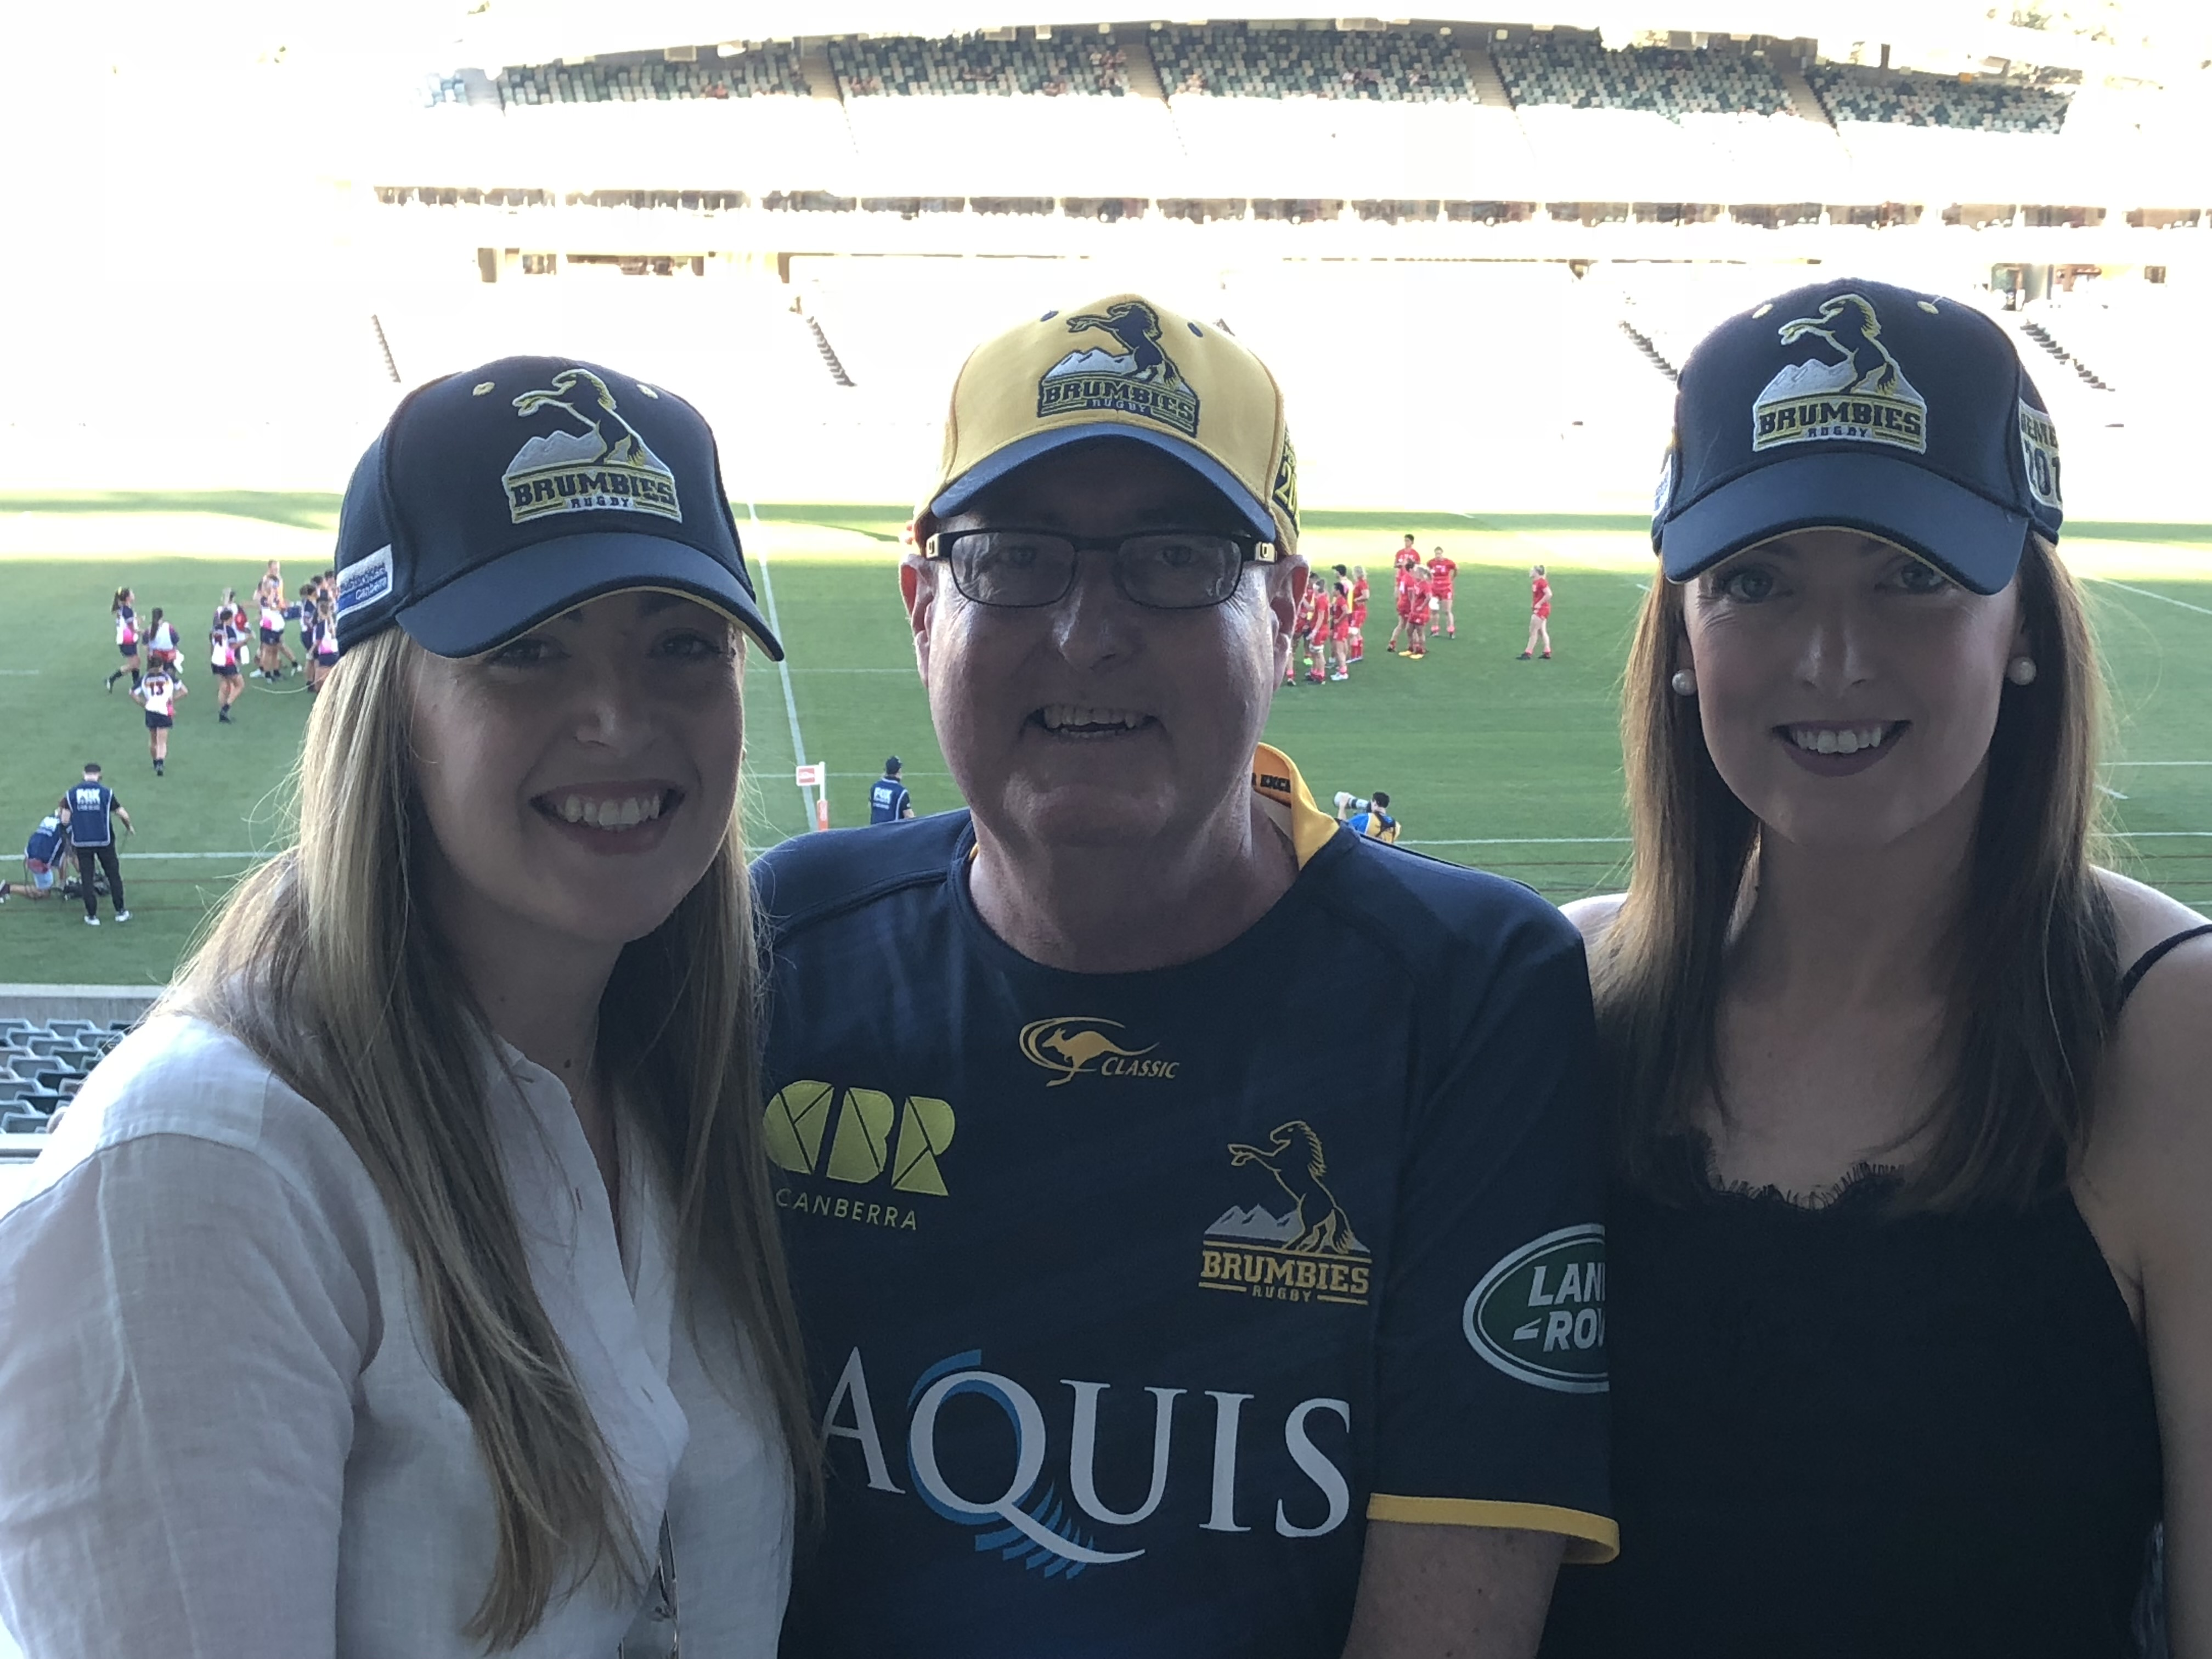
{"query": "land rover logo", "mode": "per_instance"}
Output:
(1540, 1314)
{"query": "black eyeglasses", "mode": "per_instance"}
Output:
(1163, 570)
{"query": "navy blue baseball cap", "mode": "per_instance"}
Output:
(1855, 405)
(495, 498)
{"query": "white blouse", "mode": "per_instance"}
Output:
(221, 1433)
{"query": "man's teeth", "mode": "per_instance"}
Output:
(625, 813)
(1827, 740)
(1058, 715)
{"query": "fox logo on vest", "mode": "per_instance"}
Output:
(1140, 379)
(1864, 396)
(606, 466)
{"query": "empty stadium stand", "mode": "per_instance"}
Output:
(43, 1064)
(770, 71)
(1581, 73)
(1883, 97)
(1253, 60)
(1083, 64)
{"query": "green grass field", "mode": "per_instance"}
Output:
(1514, 766)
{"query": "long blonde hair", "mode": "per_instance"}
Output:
(324, 964)
(2034, 951)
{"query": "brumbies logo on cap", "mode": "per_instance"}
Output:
(1865, 396)
(606, 466)
(1140, 379)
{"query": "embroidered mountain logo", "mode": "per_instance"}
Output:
(1140, 379)
(1309, 1254)
(1540, 1314)
(1072, 1044)
(1865, 396)
(605, 465)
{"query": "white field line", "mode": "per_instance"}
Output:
(2163, 599)
(18, 673)
(790, 702)
(2158, 763)
(2104, 789)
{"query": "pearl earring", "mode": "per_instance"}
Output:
(1686, 682)
(2021, 670)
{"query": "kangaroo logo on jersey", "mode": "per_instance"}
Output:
(1864, 396)
(605, 465)
(1540, 1314)
(1140, 379)
(1309, 1253)
(1072, 1044)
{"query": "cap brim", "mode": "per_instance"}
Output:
(997, 465)
(1967, 537)
(515, 592)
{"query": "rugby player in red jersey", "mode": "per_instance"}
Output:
(1314, 625)
(1540, 612)
(1340, 628)
(1359, 611)
(1417, 595)
(1402, 583)
(1441, 574)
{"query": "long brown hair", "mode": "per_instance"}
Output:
(328, 943)
(2033, 952)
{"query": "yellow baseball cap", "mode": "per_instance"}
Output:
(1123, 366)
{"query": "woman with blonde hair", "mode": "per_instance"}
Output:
(407, 1285)
(1909, 1287)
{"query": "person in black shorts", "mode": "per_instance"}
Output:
(1145, 1325)
(1911, 1310)
(93, 814)
(126, 636)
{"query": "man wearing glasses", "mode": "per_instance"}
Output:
(1143, 1325)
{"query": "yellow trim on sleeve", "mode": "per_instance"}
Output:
(1591, 1539)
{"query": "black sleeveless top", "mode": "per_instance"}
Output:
(1842, 1436)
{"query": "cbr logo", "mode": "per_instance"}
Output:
(1072, 1044)
(862, 1151)
(1028, 1519)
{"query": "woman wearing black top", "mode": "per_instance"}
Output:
(1910, 1313)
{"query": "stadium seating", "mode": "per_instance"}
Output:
(1888, 98)
(1075, 64)
(767, 71)
(1581, 73)
(1249, 60)
(43, 1064)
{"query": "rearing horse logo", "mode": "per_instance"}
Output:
(1293, 1156)
(1861, 395)
(1140, 379)
(1847, 322)
(606, 465)
(617, 438)
(1074, 1044)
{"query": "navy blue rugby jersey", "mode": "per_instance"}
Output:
(1133, 1298)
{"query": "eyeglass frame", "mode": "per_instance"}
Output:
(1255, 550)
